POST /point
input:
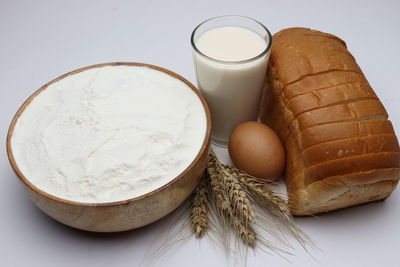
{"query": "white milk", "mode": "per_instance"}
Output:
(228, 77)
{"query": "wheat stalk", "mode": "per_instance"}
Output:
(223, 202)
(217, 189)
(238, 197)
(260, 191)
(243, 230)
(240, 218)
(198, 209)
(270, 201)
(230, 194)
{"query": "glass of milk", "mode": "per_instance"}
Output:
(231, 55)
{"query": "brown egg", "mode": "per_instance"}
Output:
(257, 150)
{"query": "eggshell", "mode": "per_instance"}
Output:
(257, 150)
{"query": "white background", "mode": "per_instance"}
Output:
(40, 40)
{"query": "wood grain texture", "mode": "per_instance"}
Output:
(121, 215)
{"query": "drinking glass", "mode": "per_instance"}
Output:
(232, 89)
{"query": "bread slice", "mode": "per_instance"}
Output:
(334, 95)
(349, 147)
(324, 50)
(358, 163)
(342, 130)
(341, 149)
(323, 80)
(361, 110)
(337, 99)
(323, 197)
(341, 165)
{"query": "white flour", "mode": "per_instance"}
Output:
(109, 134)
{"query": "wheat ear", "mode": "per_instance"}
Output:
(199, 208)
(260, 191)
(275, 204)
(235, 216)
(238, 197)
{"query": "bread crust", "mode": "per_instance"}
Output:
(341, 148)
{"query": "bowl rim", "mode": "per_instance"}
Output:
(205, 144)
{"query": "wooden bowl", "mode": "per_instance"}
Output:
(121, 215)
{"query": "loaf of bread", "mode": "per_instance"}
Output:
(341, 147)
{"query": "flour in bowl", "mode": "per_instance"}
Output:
(109, 133)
